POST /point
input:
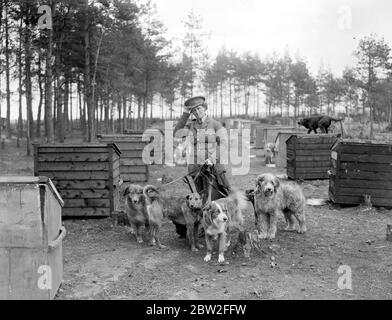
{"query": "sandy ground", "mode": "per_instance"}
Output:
(105, 262)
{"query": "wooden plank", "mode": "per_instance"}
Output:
(303, 152)
(365, 149)
(80, 175)
(379, 193)
(364, 175)
(312, 170)
(312, 176)
(73, 149)
(131, 145)
(131, 162)
(354, 200)
(324, 147)
(73, 166)
(133, 169)
(83, 203)
(81, 184)
(313, 164)
(76, 157)
(371, 167)
(84, 193)
(314, 157)
(366, 158)
(86, 212)
(132, 154)
(358, 183)
(137, 177)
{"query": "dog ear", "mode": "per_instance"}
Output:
(259, 180)
(207, 217)
(126, 191)
(276, 183)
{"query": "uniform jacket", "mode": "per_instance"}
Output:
(205, 138)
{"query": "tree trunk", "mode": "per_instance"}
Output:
(41, 96)
(7, 73)
(48, 87)
(28, 84)
(20, 119)
(87, 76)
(66, 106)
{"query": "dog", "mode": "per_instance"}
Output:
(144, 208)
(269, 152)
(192, 211)
(318, 122)
(272, 196)
(220, 217)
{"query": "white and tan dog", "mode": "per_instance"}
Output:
(219, 217)
(272, 196)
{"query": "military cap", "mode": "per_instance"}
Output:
(195, 102)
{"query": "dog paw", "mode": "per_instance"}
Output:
(199, 246)
(194, 249)
(161, 246)
(207, 258)
(302, 230)
(221, 258)
(140, 241)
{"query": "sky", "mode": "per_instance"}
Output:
(325, 32)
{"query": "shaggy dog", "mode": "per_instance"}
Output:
(219, 217)
(322, 122)
(192, 211)
(144, 208)
(271, 197)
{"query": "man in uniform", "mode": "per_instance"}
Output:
(208, 137)
(205, 136)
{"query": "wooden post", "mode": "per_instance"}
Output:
(389, 232)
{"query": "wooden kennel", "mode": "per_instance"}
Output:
(268, 133)
(281, 148)
(309, 156)
(360, 169)
(87, 176)
(31, 235)
(132, 166)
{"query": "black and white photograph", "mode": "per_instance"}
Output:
(195, 155)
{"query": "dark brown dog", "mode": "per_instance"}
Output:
(192, 210)
(318, 122)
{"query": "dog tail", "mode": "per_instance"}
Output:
(151, 193)
(337, 120)
(239, 197)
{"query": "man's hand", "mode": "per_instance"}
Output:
(209, 163)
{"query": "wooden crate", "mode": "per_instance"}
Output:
(31, 234)
(86, 175)
(308, 156)
(281, 148)
(132, 167)
(361, 168)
